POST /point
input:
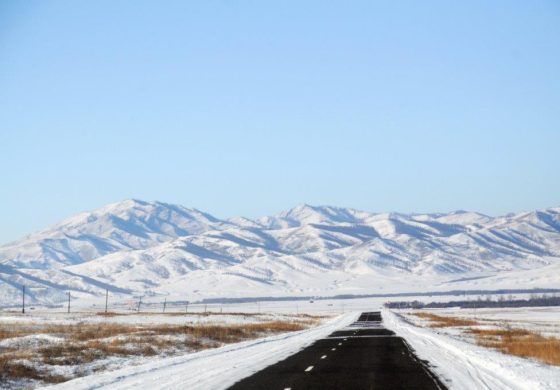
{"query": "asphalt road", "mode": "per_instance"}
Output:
(364, 355)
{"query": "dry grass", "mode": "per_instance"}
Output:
(199, 314)
(520, 342)
(86, 343)
(234, 333)
(444, 321)
(12, 367)
(15, 330)
(513, 341)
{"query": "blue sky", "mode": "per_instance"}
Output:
(248, 108)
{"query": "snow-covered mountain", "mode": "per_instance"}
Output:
(127, 225)
(136, 247)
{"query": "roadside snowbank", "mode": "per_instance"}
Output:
(463, 365)
(210, 369)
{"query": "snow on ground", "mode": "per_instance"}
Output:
(31, 341)
(461, 363)
(464, 365)
(152, 249)
(57, 318)
(544, 320)
(210, 369)
(67, 345)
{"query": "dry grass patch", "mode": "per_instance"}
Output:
(234, 333)
(15, 330)
(444, 321)
(514, 341)
(520, 342)
(12, 367)
(86, 343)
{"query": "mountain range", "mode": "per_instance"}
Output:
(153, 248)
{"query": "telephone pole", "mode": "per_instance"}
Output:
(68, 301)
(23, 300)
(106, 299)
(164, 304)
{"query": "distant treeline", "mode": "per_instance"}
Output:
(381, 295)
(480, 303)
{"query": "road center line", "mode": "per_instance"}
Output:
(309, 369)
(333, 349)
(324, 356)
(362, 337)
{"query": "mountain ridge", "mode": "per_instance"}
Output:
(143, 247)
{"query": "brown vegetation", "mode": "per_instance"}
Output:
(86, 343)
(520, 342)
(13, 366)
(513, 341)
(444, 321)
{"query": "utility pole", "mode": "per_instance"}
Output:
(205, 306)
(164, 304)
(106, 299)
(68, 301)
(187, 307)
(23, 300)
(139, 303)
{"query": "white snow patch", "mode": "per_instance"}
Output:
(463, 365)
(210, 369)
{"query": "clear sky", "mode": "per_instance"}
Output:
(251, 107)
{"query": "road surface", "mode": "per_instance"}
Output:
(364, 355)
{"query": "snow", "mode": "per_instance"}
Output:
(161, 251)
(543, 320)
(135, 248)
(51, 317)
(463, 365)
(210, 369)
(35, 340)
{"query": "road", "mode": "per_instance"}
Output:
(364, 355)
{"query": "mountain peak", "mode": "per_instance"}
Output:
(126, 225)
(154, 246)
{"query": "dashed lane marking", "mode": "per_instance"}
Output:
(333, 349)
(309, 369)
(324, 356)
(363, 336)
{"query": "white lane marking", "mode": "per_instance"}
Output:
(288, 388)
(339, 343)
(324, 356)
(345, 339)
(333, 349)
(309, 369)
(361, 337)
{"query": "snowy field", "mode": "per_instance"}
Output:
(463, 364)
(544, 320)
(50, 346)
(217, 364)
